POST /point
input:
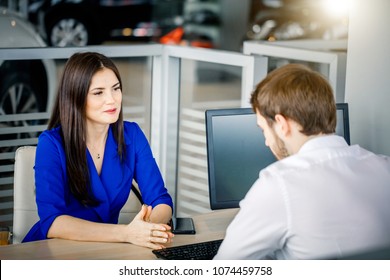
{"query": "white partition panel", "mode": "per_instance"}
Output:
(335, 61)
(245, 62)
(184, 161)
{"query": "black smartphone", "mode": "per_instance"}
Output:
(182, 226)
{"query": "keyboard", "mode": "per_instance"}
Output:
(197, 251)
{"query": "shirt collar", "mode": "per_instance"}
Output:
(325, 141)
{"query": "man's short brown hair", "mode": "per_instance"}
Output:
(298, 93)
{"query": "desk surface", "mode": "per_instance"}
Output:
(208, 226)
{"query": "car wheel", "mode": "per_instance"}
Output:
(19, 95)
(67, 32)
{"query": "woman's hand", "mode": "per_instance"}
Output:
(143, 233)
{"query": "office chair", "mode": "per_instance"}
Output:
(25, 208)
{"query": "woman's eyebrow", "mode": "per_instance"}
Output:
(101, 88)
(96, 89)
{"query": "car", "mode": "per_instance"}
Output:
(278, 20)
(89, 22)
(26, 86)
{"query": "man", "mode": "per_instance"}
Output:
(323, 198)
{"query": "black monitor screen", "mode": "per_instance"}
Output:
(342, 127)
(236, 152)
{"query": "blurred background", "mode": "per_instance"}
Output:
(222, 24)
(28, 85)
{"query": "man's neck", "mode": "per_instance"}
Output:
(300, 140)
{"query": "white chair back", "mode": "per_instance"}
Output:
(25, 208)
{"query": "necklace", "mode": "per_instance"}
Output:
(97, 151)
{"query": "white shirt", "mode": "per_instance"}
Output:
(327, 201)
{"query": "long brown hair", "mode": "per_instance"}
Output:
(298, 93)
(69, 114)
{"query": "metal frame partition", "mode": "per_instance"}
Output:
(169, 123)
(305, 51)
(165, 92)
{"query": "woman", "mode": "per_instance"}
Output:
(87, 159)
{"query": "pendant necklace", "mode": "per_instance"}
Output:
(95, 150)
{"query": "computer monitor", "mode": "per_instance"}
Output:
(236, 152)
(342, 127)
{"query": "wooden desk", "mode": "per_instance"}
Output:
(208, 227)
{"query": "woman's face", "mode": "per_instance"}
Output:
(104, 98)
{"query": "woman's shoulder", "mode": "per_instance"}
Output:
(130, 125)
(50, 145)
(131, 128)
(132, 131)
(50, 136)
(53, 132)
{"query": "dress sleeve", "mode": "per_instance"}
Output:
(146, 172)
(50, 180)
(259, 229)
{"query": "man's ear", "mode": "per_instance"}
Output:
(283, 125)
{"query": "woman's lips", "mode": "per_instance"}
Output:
(110, 111)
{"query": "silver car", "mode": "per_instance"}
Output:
(25, 85)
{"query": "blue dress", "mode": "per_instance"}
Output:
(111, 188)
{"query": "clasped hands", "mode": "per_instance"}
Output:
(145, 233)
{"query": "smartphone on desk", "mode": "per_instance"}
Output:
(182, 225)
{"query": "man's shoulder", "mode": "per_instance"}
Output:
(288, 164)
